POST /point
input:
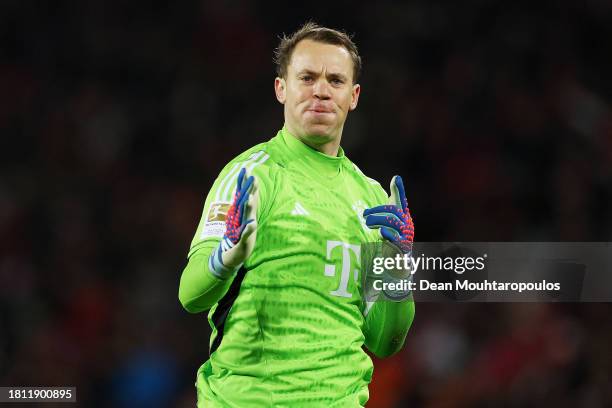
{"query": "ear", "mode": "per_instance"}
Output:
(280, 88)
(355, 96)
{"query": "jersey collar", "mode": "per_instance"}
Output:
(328, 166)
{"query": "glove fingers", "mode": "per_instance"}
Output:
(388, 234)
(243, 193)
(238, 193)
(388, 221)
(398, 193)
(242, 185)
(240, 209)
(240, 179)
(246, 186)
(383, 210)
(404, 245)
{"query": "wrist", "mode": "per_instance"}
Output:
(396, 288)
(217, 268)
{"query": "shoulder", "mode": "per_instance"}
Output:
(362, 178)
(253, 157)
(269, 154)
(260, 158)
(260, 161)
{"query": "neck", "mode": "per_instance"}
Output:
(329, 148)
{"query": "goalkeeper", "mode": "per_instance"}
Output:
(276, 255)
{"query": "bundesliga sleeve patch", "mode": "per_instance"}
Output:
(215, 220)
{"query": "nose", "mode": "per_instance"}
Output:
(321, 89)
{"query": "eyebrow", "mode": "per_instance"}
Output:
(329, 75)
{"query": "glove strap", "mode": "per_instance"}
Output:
(215, 262)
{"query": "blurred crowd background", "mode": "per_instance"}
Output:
(115, 118)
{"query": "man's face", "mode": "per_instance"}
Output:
(318, 92)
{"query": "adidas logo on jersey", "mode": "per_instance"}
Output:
(299, 210)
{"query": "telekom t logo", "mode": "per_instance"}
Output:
(330, 270)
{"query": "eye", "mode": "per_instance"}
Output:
(306, 78)
(337, 81)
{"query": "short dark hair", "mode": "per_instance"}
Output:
(312, 31)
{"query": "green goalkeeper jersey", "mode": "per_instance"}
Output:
(289, 328)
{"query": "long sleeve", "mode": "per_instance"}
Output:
(386, 326)
(199, 289)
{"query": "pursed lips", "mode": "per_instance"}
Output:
(320, 109)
